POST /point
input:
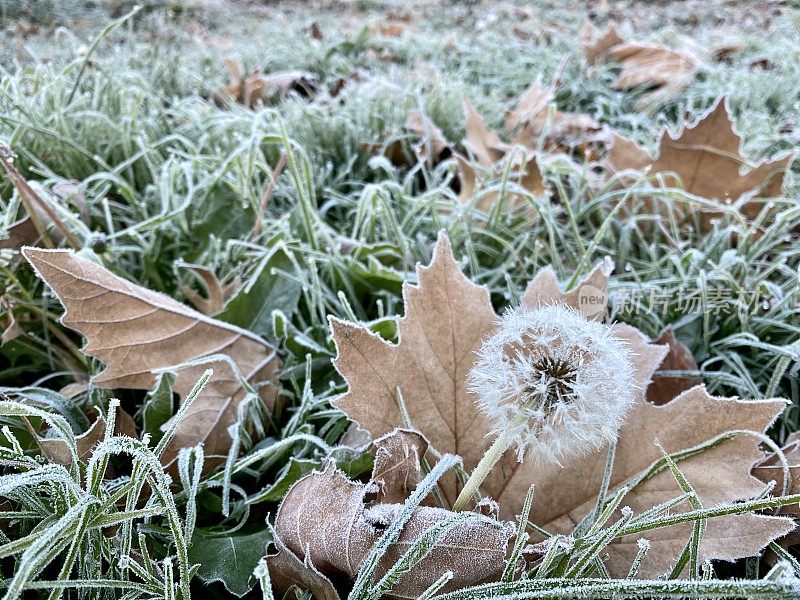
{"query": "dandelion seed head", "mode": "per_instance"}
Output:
(570, 378)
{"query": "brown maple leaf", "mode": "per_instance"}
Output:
(446, 319)
(596, 44)
(136, 332)
(771, 469)
(665, 71)
(678, 358)
(705, 159)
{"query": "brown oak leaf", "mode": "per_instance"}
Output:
(136, 331)
(446, 319)
(705, 159)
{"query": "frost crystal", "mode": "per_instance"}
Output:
(558, 383)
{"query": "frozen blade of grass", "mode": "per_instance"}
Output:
(594, 550)
(363, 580)
(608, 510)
(641, 553)
(699, 525)
(172, 425)
(551, 556)
(45, 548)
(520, 539)
(121, 517)
(261, 573)
(709, 513)
(436, 586)
(160, 484)
(110, 28)
(784, 554)
(421, 547)
(623, 588)
(594, 515)
(190, 469)
(90, 584)
(60, 424)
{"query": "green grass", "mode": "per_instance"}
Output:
(169, 176)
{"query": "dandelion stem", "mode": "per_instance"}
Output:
(489, 460)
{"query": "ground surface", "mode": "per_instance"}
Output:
(171, 176)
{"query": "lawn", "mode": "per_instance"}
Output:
(280, 280)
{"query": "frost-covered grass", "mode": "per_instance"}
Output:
(169, 176)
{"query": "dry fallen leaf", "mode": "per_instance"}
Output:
(527, 174)
(705, 159)
(483, 143)
(216, 293)
(652, 65)
(40, 216)
(433, 147)
(286, 570)
(56, 449)
(473, 550)
(446, 319)
(726, 51)
(594, 44)
(389, 28)
(771, 469)
(20, 233)
(589, 296)
(532, 120)
(678, 358)
(493, 155)
(258, 86)
(11, 328)
(667, 70)
(136, 331)
(397, 469)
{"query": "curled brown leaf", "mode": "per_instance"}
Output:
(137, 332)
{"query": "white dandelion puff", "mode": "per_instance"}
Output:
(554, 383)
